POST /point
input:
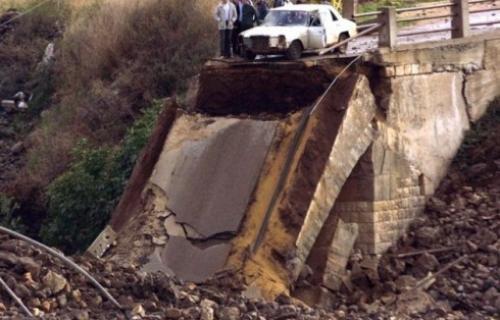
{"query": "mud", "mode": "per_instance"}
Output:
(262, 88)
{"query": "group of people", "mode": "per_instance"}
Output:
(236, 16)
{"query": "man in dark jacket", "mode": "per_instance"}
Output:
(262, 10)
(278, 3)
(248, 17)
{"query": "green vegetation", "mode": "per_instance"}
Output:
(90, 114)
(82, 199)
(7, 214)
(375, 5)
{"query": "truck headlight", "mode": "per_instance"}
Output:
(282, 41)
(273, 41)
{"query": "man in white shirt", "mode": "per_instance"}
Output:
(226, 15)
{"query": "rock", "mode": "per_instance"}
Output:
(229, 313)
(37, 312)
(55, 282)
(8, 258)
(426, 236)
(437, 204)
(34, 302)
(477, 169)
(46, 306)
(17, 148)
(427, 262)
(160, 241)
(207, 309)
(81, 315)
(491, 294)
(340, 314)
(173, 313)
(405, 282)
(62, 300)
(31, 266)
(76, 295)
(442, 308)
(138, 310)
(496, 304)
(414, 302)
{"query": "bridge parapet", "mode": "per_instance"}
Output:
(456, 18)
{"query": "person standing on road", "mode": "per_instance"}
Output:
(226, 16)
(278, 3)
(237, 25)
(248, 17)
(262, 10)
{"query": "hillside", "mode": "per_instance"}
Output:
(112, 60)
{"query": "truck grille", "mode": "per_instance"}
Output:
(260, 43)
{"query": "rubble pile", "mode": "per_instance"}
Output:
(53, 291)
(447, 264)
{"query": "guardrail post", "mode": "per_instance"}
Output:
(388, 31)
(460, 19)
(349, 9)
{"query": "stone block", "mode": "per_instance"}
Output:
(408, 69)
(400, 70)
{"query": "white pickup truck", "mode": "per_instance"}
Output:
(294, 29)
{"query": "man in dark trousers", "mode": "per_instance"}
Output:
(226, 16)
(278, 3)
(247, 17)
(262, 10)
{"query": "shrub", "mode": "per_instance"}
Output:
(82, 199)
(115, 58)
(8, 218)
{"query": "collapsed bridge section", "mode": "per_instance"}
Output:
(273, 172)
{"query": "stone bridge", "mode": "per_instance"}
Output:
(280, 172)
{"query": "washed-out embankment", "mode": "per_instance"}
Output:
(271, 174)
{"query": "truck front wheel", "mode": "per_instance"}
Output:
(294, 52)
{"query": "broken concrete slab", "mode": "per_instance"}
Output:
(192, 263)
(156, 264)
(481, 88)
(209, 168)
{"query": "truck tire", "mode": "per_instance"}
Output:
(294, 52)
(343, 49)
(250, 55)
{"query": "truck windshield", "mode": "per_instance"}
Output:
(286, 18)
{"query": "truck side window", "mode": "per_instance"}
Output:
(334, 18)
(315, 21)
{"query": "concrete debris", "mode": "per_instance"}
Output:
(193, 263)
(55, 282)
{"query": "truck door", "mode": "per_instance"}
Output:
(316, 32)
(331, 23)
